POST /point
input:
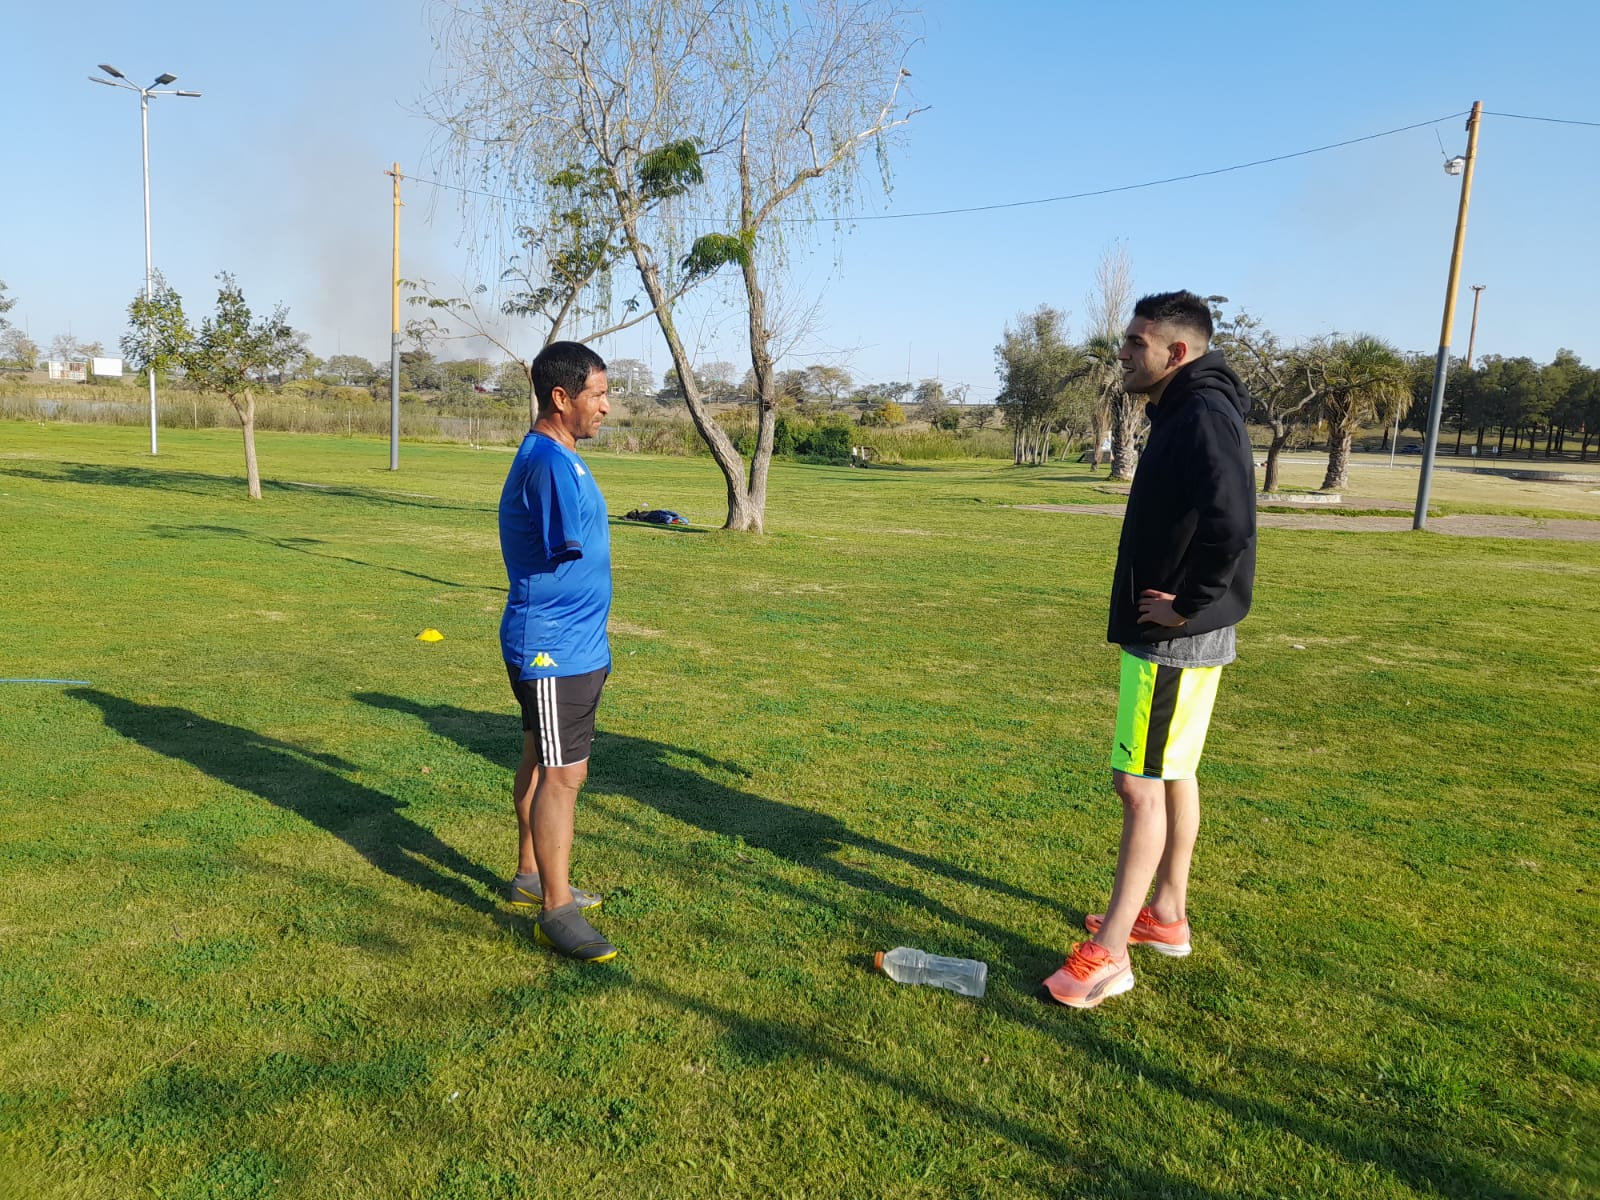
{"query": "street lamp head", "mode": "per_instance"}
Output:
(97, 79)
(1454, 166)
(165, 78)
(181, 92)
(111, 71)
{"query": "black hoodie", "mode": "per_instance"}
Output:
(1190, 526)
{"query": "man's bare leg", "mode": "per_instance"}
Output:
(522, 789)
(1171, 900)
(1143, 850)
(555, 803)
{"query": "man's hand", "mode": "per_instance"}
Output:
(1155, 608)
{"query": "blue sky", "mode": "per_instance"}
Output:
(276, 174)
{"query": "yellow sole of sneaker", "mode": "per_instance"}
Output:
(541, 940)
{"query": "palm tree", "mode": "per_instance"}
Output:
(1105, 374)
(1367, 383)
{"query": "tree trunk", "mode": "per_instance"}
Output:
(1280, 439)
(760, 360)
(1127, 419)
(741, 515)
(247, 419)
(1338, 476)
(1100, 427)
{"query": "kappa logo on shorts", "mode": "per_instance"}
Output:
(542, 659)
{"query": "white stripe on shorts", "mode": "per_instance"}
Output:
(549, 727)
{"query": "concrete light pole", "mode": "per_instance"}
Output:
(118, 79)
(1472, 337)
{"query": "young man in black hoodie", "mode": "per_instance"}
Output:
(1185, 565)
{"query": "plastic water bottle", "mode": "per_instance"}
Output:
(905, 965)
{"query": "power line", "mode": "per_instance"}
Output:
(1110, 191)
(1130, 187)
(1550, 120)
(946, 212)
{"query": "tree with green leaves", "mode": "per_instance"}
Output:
(1038, 367)
(349, 369)
(1285, 382)
(931, 401)
(159, 332)
(17, 349)
(232, 354)
(1581, 408)
(1364, 382)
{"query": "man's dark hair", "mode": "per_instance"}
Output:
(1177, 308)
(564, 365)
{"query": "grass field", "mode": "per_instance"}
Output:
(251, 946)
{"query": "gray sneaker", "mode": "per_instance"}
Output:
(525, 893)
(568, 932)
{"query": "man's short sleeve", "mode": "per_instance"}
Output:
(557, 507)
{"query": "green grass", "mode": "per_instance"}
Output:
(251, 943)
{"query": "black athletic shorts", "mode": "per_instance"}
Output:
(561, 712)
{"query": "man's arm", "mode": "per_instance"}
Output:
(1219, 476)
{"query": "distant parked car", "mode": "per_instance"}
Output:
(1411, 448)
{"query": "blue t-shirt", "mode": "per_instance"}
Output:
(557, 549)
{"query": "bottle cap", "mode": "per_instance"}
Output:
(877, 961)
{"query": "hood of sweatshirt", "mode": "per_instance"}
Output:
(1208, 373)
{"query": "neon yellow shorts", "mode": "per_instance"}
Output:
(1162, 717)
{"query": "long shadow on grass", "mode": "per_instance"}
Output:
(303, 545)
(200, 484)
(664, 778)
(308, 784)
(1110, 1161)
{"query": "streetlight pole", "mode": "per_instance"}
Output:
(394, 332)
(118, 79)
(1419, 519)
(1472, 337)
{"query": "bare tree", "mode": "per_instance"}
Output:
(1116, 414)
(830, 76)
(653, 98)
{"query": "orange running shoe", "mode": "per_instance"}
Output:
(1171, 940)
(1090, 974)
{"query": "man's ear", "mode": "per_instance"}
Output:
(1176, 353)
(559, 400)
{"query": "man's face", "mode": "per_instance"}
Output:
(585, 412)
(1151, 352)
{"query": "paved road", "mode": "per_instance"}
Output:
(1559, 529)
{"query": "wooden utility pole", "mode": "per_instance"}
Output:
(1419, 518)
(394, 333)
